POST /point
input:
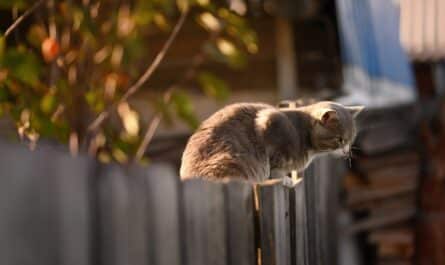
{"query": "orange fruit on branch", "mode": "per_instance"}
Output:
(50, 49)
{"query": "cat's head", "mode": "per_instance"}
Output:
(333, 126)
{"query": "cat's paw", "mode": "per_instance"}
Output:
(289, 182)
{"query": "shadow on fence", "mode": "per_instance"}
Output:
(55, 209)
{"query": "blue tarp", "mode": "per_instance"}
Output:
(377, 72)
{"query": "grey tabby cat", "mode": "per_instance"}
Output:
(256, 141)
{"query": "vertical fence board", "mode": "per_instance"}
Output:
(163, 202)
(274, 224)
(123, 218)
(28, 223)
(324, 222)
(240, 223)
(330, 173)
(298, 226)
(319, 213)
(321, 187)
(310, 202)
(205, 226)
(73, 199)
(113, 220)
(139, 219)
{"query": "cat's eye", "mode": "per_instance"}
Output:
(340, 140)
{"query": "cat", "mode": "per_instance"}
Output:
(256, 141)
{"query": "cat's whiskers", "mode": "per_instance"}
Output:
(350, 158)
(347, 152)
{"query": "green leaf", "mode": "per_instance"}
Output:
(48, 103)
(90, 97)
(209, 22)
(46, 128)
(143, 13)
(36, 35)
(212, 51)
(164, 109)
(5, 95)
(213, 86)
(161, 21)
(83, 22)
(23, 66)
(247, 36)
(134, 49)
(2, 46)
(95, 100)
(78, 17)
(166, 6)
(233, 57)
(8, 4)
(183, 5)
(184, 108)
(238, 28)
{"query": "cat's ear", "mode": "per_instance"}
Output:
(355, 110)
(328, 116)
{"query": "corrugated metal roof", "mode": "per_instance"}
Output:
(422, 28)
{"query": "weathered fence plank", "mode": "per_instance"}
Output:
(321, 189)
(274, 224)
(123, 218)
(163, 197)
(310, 202)
(205, 223)
(298, 225)
(28, 225)
(139, 219)
(44, 215)
(240, 223)
(328, 178)
(112, 200)
(73, 198)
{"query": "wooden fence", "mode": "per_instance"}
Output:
(55, 209)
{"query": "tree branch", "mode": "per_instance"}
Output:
(147, 74)
(154, 123)
(22, 17)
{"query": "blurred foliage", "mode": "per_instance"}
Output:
(79, 57)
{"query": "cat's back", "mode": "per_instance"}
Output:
(224, 142)
(233, 114)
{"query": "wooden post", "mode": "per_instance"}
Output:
(321, 182)
(430, 243)
(310, 203)
(27, 226)
(240, 223)
(44, 216)
(163, 195)
(286, 61)
(73, 196)
(274, 222)
(114, 218)
(298, 225)
(204, 223)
